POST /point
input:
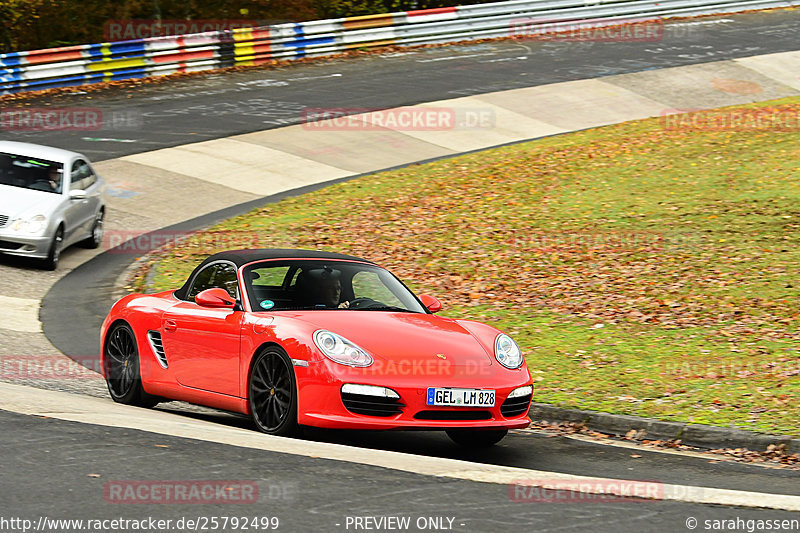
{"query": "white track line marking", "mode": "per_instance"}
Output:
(77, 408)
(450, 58)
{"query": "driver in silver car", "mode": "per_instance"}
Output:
(51, 183)
(54, 177)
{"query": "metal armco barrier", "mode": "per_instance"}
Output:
(156, 56)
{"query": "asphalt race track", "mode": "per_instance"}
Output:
(66, 458)
(209, 107)
(288, 487)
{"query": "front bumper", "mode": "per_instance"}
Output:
(321, 403)
(14, 243)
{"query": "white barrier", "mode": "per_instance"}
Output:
(158, 56)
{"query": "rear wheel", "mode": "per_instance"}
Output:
(476, 438)
(54, 254)
(272, 393)
(121, 359)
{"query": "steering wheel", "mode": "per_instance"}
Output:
(41, 185)
(364, 303)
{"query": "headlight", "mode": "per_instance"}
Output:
(507, 352)
(29, 225)
(338, 349)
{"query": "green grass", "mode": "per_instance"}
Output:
(643, 271)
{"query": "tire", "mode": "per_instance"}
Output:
(96, 238)
(121, 360)
(272, 393)
(54, 254)
(476, 438)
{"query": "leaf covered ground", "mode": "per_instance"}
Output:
(643, 270)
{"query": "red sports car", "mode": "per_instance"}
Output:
(296, 337)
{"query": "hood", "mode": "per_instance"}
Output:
(15, 201)
(406, 337)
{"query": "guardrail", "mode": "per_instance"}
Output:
(156, 56)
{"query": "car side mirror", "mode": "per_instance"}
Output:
(433, 304)
(77, 194)
(215, 298)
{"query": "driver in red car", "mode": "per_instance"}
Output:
(325, 287)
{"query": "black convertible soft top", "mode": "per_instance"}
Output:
(242, 257)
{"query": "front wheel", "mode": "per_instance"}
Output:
(476, 438)
(121, 360)
(54, 254)
(272, 393)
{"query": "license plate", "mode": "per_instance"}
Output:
(461, 397)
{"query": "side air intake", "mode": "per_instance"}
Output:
(158, 347)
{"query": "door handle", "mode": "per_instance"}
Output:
(170, 325)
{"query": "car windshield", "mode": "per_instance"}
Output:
(31, 173)
(326, 284)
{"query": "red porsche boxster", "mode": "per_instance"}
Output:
(306, 338)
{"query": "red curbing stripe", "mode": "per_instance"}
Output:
(434, 11)
(260, 48)
(53, 57)
(73, 48)
(262, 33)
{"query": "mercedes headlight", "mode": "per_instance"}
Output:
(32, 225)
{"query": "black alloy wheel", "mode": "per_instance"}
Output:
(121, 361)
(272, 393)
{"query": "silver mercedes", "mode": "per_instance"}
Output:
(49, 199)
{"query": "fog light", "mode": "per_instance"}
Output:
(369, 390)
(521, 391)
